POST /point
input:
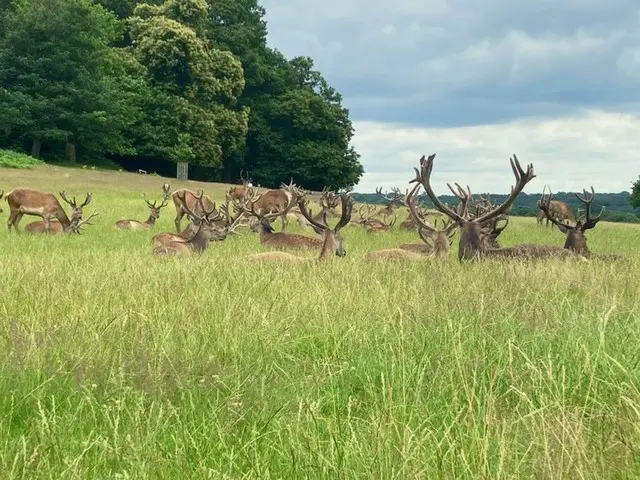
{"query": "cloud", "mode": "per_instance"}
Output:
(568, 153)
(479, 68)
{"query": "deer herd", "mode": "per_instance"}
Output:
(476, 220)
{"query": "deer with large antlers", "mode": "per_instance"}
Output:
(394, 200)
(205, 232)
(154, 214)
(576, 240)
(25, 201)
(332, 242)
(471, 245)
(268, 236)
(190, 203)
(56, 227)
(328, 202)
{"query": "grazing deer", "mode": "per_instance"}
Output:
(278, 239)
(576, 240)
(190, 203)
(206, 231)
(471, 245)
(332, 243)
(25, 201)
(561, 211)
(154, 214)
(56, 227)
(393, 201)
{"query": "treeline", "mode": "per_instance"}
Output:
(617, 205)
(149, 84)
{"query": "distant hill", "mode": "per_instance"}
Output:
(617, 207)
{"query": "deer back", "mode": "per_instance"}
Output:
(35, 200)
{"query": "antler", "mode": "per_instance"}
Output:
(587, 200)
(77, 228)
(396, 196)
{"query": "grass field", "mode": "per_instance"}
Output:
(115, 364)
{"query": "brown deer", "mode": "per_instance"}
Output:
(332, 243)
(278, 239)
(471, 245)
(56, 227)
(238, 193)
(558, 209)
(576, 240)
(328, 202)
(154, 214)
(190, 203)
(394, 200)
(25, 201)
(205, 232)
(279, 202)
(374, 225)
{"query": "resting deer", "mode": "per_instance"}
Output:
(278, 239)
(206, 231)
(328, 202)
(154, 214)
(56, 227)
(25, 201)
(373, 225)
(576, 240)
(471, 245)
(332, 243)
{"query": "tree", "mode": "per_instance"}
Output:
(192, 113)
(55, 82)
(634, 199)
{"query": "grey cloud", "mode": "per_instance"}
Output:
(470, 62)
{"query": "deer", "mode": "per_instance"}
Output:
(278, 239)
(25, 201)
(190, 203)
(154, 214)
(393, 201)
(279, 202)
(239, 192)
(576, 240)
(56, 227)
(332, 242)
(205, 232)
(373, 225)
(558, 209)
(471, 245)
(328, 202)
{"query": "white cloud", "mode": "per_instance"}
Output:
(569, 154)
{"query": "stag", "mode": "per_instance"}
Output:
(279, 202)
(332, 242)
(190, 203)
(471, 245)
(394, 200)
(56, 227)
(24, 201)
(206, 231)
(154, 214)
(373, 225)
(576, 240)
(328, 202)
(238, 193)
(561, 211)
(277, 239)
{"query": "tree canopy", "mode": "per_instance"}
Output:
(166, 81)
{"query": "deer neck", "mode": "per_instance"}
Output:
(62, 217)
(150, 221)
(470, 245)
(199, 242)
(440, 243)
(328, 249)
(576, 242)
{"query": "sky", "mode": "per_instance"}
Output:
(555, 82)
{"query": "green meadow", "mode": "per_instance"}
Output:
(117, 364)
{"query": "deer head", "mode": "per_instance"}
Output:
(76, 211)
(438, 240)
(333, 241)
(154, 209)
(576, 239)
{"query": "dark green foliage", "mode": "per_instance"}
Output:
(634, 198)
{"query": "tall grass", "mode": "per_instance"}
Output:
(114, 364)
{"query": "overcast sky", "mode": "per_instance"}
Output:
(474, 81)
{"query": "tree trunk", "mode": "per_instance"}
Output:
(70, 152)
(35, 149)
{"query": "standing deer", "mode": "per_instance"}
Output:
(576, 240)
(25, 201)
(154, 214)
(206, 231)
(471, 245)
(56, 227)
(561, 211)
(278, 239)
(279, 202)
(190, 203)
(332, 243)
(393, 201)
(238, 193)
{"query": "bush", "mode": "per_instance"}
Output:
(11, 159)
